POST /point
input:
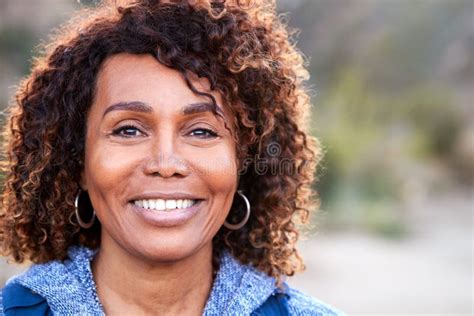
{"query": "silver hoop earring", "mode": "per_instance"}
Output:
(246, 218)
(78, 217)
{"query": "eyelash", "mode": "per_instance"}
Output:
(211, 133)
(117, 132)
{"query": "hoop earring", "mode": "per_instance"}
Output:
(246, 218)
(78, 217)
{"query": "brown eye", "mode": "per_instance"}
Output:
(127, 131)
(203, 133)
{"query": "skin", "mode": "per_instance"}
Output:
(143, 268)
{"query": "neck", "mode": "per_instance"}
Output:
(126, 283)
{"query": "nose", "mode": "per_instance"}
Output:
(165, 160)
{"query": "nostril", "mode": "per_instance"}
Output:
(156, 173)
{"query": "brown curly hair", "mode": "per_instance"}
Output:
(243, 49)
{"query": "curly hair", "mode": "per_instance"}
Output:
(245, 52)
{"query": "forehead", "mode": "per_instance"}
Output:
(127, 77)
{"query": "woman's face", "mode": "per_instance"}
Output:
(160, 167)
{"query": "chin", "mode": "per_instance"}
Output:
(168, 251)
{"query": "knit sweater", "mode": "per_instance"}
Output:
(238, 289)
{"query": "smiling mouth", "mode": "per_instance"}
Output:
(167, 205)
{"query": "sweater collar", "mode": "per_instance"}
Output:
(238, 287)
(69, 287)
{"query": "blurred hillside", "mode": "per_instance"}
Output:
(393, 103)
(394, 110)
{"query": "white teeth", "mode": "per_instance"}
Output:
(165, 205)
(160, 204)
(171, 204)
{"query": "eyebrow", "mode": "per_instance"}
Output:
(137, 106)
(201, 107)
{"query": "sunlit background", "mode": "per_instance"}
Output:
(392, 84)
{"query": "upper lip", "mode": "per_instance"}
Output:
(165, 196)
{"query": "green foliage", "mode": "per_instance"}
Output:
(368, 138)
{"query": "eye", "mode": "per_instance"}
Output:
(203, 133)
(127, 131)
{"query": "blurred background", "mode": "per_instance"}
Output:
(394, 108)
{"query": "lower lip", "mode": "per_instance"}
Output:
(172, 218)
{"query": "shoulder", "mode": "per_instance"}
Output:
(38, 275)
(302, 304)
(66, 285)
(56, 273)
(15, 298)
(21, 290)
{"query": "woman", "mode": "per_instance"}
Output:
(157, 162)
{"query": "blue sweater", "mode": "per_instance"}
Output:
(238, 289)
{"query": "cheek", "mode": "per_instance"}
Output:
(218, 168)
(219, 174)
(107, 168)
